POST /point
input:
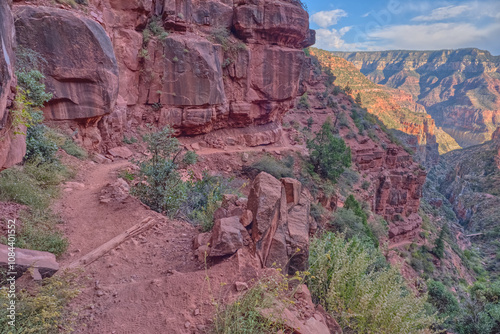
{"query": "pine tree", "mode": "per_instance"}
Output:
(358, 99)
(439, 245)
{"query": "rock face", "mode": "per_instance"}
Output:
(81, 69)
(201, 77)
(398, 188)
(12, 146)
(467, 80)
(215, 68)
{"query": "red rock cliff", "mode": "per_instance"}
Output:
(195, 65)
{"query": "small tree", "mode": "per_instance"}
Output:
(304, 102)
(358, 99)
(439, 245)
(160, 185)
(348, 89)
(328, 154)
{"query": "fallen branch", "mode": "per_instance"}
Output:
(102, 250)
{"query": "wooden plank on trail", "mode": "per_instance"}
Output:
(105, 248)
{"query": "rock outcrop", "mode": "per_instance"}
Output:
(12, 145)
(459, 88)
(80, 70)
(277, 214)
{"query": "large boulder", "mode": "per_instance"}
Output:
(12, 146)
(281, 222)
(81, 69)
(228, 236)
(44, 262)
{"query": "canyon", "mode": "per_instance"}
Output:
(239, 85)
(459, 88)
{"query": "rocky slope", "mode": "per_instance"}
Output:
(396, 108)
(197, 66)
(459, 88)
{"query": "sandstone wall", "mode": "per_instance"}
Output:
(116, 66)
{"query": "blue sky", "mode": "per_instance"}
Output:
(373, 25)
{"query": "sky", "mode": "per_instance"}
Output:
(374, 25)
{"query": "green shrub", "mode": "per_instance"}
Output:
(73, 149)
(276, 168)
(204, 196)
(160, 185)
(442, 299)
(365, 185)
(43, 311)
(34, 186)
(244, 315)
(361, 299)
(189, 158)
(328, 154)
(39, 146)
(304, 102)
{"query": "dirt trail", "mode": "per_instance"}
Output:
(150, 284)
(89, 222)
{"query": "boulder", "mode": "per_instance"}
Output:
(280, 227)
(44, 262)
(228, 235)
(121, 152)
(117, 191)
(81, 70)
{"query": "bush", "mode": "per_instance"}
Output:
(39, 146)
(304, 102)
(160, 185)
(244, 315)
(43, 311)
(361, 299)
(34, 186)
(203, 198)
(276, 168)
(328, 154)
(442, 299)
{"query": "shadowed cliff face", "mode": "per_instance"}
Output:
(12, 146)
(459, 88)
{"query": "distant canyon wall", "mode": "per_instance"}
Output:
(459, 88)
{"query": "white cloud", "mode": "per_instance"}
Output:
(443, 13)
(435, 36)
(332, 39)
(329, 18)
